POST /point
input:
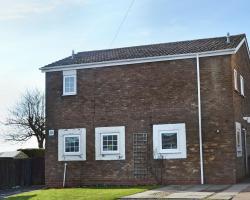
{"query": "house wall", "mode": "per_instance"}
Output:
(217, 119)
(240, 62)
(138, 96)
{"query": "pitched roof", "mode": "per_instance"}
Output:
(13, 154)
(153, 50)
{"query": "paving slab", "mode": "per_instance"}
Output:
(229, 193)
(189, 195)
(197, 188)
(194, 192)
(175, 188)
(152, 194)
(216, 188)
(159, 193)
(243, 195)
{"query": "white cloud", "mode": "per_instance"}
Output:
(16, 9)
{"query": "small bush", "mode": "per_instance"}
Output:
(34, 153)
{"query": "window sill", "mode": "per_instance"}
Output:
(72, 154)
(170, 152)
(239, 93)
(109, 153)
(69, 94)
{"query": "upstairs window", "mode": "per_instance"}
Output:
(242, 86)
(235, 80)
(69, 82)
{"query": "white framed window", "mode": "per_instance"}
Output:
(236, 80)
(72, 144)
(242, 92)
(69, 82)
(110, 143)
(169, 141)
(238, 139)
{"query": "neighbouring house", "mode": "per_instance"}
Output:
(164, 113)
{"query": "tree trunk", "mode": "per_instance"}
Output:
(40, 143)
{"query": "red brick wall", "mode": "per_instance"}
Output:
(138, 96)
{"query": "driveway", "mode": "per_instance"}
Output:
(196, 192)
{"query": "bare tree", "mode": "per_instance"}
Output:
(27, 118)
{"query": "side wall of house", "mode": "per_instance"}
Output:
(138, 96)
(240, 62)
(217, 119)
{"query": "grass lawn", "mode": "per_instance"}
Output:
(93, 193)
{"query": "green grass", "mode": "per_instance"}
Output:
(93, 193)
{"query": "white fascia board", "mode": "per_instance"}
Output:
(240, 44)
(138, 60)
(248, 51)
(243, 41)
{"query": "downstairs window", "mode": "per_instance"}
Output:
(169, 141)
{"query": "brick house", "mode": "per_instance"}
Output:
(163, 113)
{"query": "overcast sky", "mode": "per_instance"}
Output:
(35, 33)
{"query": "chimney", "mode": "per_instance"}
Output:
(73, 54)
(228, 38)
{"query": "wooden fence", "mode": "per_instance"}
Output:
(21, 172)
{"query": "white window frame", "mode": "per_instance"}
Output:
(242, 87)
(177, 150)
(110, 152)
(180, 152)
(236, 80)
(69, 74)
(238, 142)
(104, 155)
(72, 156)
(64, 141)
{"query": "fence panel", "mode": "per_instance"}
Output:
(21, 172)
(38, 171)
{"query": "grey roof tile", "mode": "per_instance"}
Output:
(153, 50)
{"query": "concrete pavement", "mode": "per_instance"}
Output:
(196, 192)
